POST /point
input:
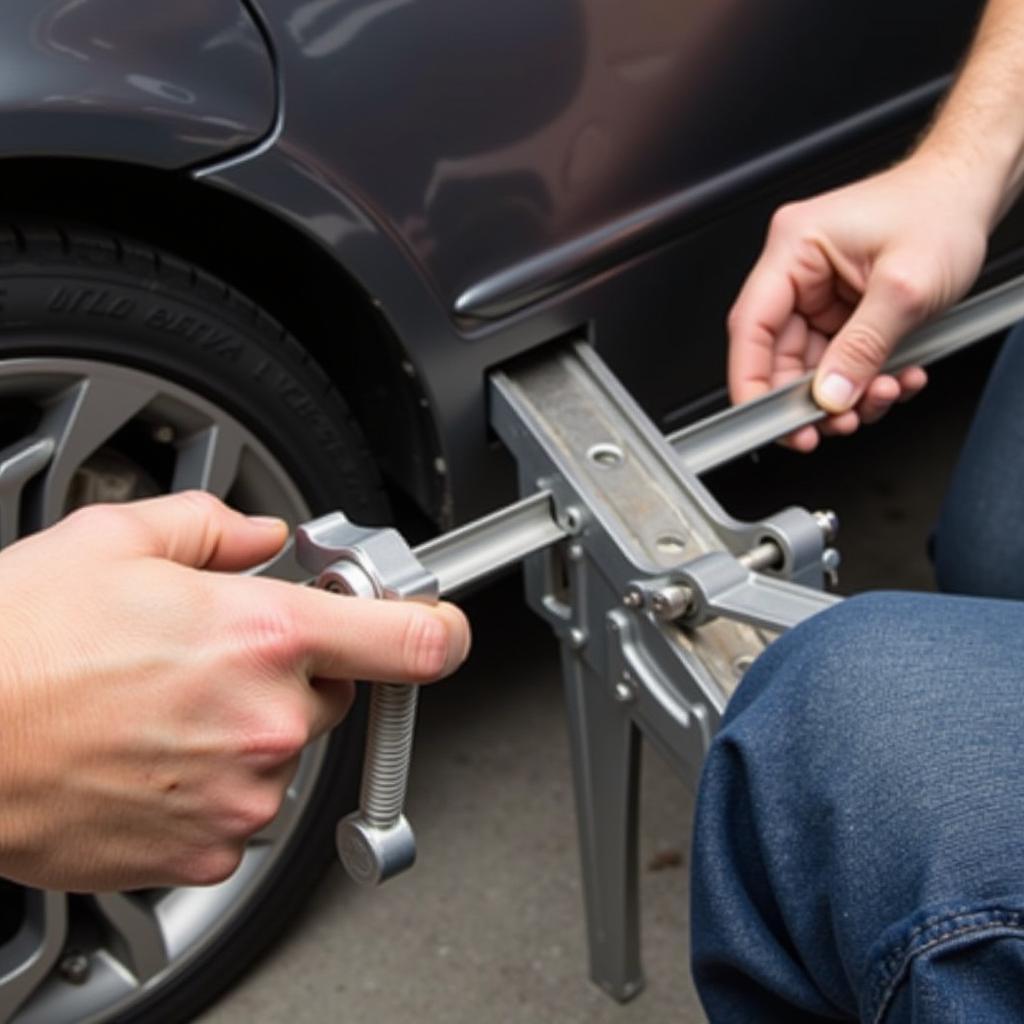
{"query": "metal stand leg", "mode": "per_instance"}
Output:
(605, 747)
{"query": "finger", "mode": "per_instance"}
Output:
(196, 529)
(842, 425)
(764, 305)
(879, 397)
(912, 380)
(792, 347)
(361, 638)
(889, 309)
(829, 320)
(330, 702)
(803, 440)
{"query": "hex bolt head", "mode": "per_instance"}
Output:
(373, 855)
(571, 519)
(829, 523)
(577, 638)
(633, 597)
(625, 689)
(672, 601)
(575, 552)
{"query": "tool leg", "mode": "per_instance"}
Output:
(605, 748)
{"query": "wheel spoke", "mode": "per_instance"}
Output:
(209, 460)
(80, 421)
(18, 464)
(88, 957)
(284, 565)
(281, 824)
(29, 957)
(137, 939)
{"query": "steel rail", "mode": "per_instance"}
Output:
(486, 545)
(744, 428)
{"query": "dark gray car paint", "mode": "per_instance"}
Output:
(615, 161)
(165, 84)
(492, 176)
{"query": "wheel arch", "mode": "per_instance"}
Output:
(273, 263)
(134, 80)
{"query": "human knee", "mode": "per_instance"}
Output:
(840, 658)
(872, 683)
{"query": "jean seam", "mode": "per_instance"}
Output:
(948, 926)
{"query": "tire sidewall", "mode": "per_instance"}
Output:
(199, 334)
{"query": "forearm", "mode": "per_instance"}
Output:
(978, 134)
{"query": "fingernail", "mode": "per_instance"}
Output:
(268, 522)
(835, 392)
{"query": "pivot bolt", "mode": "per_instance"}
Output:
(571, 519)
(672, 601)
(829, 523)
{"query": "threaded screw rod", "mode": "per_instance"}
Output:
(389, 732)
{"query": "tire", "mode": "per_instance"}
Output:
(172, 352)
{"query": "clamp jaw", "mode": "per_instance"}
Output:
(362, 561)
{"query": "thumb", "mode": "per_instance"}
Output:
(196, 529)
(889, 308)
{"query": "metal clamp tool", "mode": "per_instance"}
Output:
(660, 599)
(376, 841)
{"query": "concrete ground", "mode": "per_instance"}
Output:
(488, 926)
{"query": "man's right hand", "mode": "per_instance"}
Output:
(153, 704)
(844, 276)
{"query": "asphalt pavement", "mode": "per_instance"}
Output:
(488, 925)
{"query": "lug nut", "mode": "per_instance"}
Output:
(75, 968)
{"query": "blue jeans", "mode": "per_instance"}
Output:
(859, 839)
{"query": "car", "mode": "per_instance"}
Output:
(273, 249)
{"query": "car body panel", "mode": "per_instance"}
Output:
(145, 81)
(493, 179)
(486, 135)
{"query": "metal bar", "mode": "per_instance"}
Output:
(737, 431)
(769, 603)
(484, 546)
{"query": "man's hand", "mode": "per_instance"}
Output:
(844, 276)
(153, 704)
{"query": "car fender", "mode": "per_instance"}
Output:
(142, 81)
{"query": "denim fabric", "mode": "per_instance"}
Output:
(980, 542)
(859, 836)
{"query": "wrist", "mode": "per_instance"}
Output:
(981, 185)
(17, 758)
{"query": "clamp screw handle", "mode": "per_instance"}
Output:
(375, 842)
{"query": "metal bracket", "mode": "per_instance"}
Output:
(647, 534)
